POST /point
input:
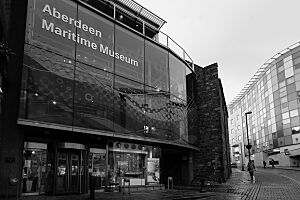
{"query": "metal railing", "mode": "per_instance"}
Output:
(160, 37)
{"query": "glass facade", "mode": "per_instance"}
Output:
(274, 100)
(83, 71)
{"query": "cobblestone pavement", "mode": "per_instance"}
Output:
(266, 186)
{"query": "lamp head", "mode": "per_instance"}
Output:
(248, 113)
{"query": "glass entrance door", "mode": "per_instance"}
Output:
(69, 166)
(34, 171)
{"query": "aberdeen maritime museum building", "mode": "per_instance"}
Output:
(92, 89)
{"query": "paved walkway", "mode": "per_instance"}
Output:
(266, 186)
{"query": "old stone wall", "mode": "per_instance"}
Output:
(211, 162)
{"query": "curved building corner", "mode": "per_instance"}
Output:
(272, 96)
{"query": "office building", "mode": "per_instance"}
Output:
(273, 97)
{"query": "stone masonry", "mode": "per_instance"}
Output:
(212, 161)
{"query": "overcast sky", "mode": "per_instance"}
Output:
(240, 35)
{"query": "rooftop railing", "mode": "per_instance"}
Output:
(144, 17)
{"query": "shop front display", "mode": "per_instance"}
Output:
(130, 162)
(97, 167)
(34, 168)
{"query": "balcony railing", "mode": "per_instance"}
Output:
(138, 16)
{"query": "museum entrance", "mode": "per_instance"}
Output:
(70, 171)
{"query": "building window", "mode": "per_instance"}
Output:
(232, 131)
(232, 140)
(239, 127)
(294, 113)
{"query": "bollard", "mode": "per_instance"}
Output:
(92, 188)
(170, 182)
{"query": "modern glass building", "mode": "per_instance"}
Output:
(103, 93)
(273, 97)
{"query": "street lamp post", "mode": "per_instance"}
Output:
(248, 145)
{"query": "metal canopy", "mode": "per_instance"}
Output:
(140, 11)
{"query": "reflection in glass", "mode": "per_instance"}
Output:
(157, 110)
(47, 87)
(129, 55)
(128, 106)
(156, 69)
(48, 39)
(93, 105)
(177, 78)
(99, 55)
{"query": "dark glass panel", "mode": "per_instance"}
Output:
(129, 55)
(296, 55)
(150, 32)
(47, 87)
(156, 69)
(96, 43)
(129, 20)
(157, 113)
(280, 63)
(93, 100)
(288, 140)
(47, 29)
(177, 78)
(129, 115)
(179, 125)
(291, 89)
(104, 6)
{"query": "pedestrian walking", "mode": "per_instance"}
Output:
(251, 168)
(264, 162)
(272, 163)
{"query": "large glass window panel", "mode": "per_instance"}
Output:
(54, 31)
(93, 98)
(158, 116)
(129, 55)
(287, 132)
(295, 121)
(288, 63)
(281, 141)
(293, 104)
(292, 96)
(290, 80)
(297, 61)
(291, 88)
(286, 59)
(296, 55)
(289, 72)
(281, 84)
(47, 87)
(273, 73)
(178, 112)
(156, 68)
(297, 69)
(281, 76)
(288, 140)
(129, 111)
(95, 44)
(177, 78)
